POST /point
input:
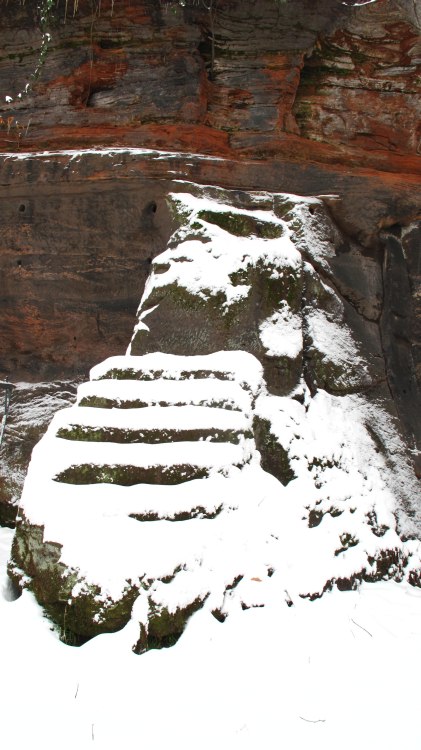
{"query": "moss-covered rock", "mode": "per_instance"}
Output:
(150, 436)
(274, 457)
(36, 563)
(242, 225)
(282, 374)
(129, 373)
(337, 377)
(102, 402)
(165, 627)
(90, 613)
(180, 320)
(78, 608)
(126, 475)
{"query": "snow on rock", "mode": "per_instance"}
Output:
(151, 424)
(227, 464)
(102, 466)
(276, 689)
(31, 409)
(339, 501)
(225, 246)
(191, 392)
(281, 333)
(221, 365)
(221, 283)
(257, 279)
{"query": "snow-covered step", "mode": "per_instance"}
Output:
(78, 462)
(236, 365)
(154, 424)
(200, 498)
(137, 394)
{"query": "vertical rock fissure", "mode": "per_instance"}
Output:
(395, 336)
(381, 320)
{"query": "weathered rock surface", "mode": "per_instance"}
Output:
(310, 97)
(338, 83)
(178, 480)
(31, 410)
(73, 266)
(218, 286)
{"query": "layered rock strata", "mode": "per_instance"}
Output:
(312, 79)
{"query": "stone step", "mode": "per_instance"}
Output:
(152, 424)
(235, 365)
(88, 520)
(137, 394)
(78, 462)
(200, 498)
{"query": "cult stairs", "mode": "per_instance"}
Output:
(152, 438)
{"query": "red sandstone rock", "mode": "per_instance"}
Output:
(345, 81)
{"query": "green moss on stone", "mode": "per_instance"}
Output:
(332, 377)
(126, 475)
(178, 210)
(110, 403)
(165, 627)
(274, 457)
(37, 563)
(128, 373)
(152, 436)
(242, 225)
(279, 285)
(284, 206)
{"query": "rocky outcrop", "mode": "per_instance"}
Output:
(180, 480)
(218, 286)
(194, 423)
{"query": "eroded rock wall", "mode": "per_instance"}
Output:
(309, 97)
(74, 261)
(311, 79)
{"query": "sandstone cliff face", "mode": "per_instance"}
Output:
(309, 97)
(311, 79)
(74, 262)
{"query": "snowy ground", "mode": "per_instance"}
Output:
(340, 671)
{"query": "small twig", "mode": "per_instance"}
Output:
(77, 690)
(92, 732)
(313, 721)
(360, 626)
(288, 601)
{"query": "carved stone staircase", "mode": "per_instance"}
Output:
(147, 499)
(175, 419)
(151, 438)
